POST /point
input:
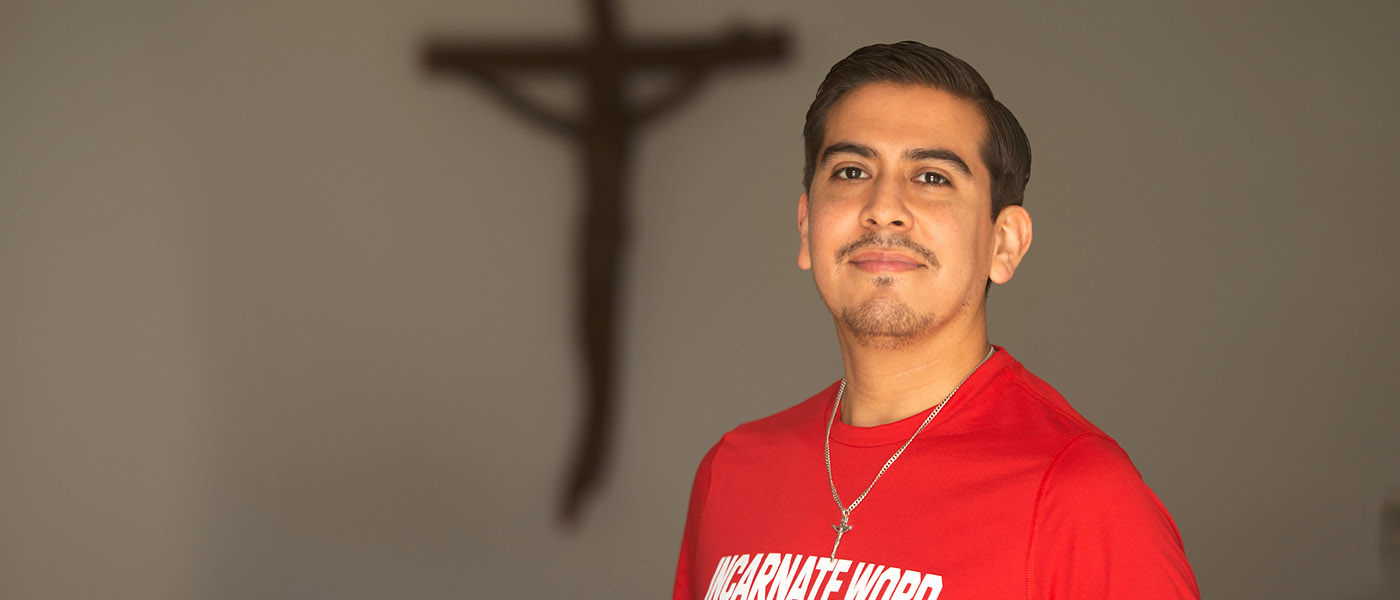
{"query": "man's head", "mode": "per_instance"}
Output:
(1005, 149)
(907, 156)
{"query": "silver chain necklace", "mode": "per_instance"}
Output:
(844, 526)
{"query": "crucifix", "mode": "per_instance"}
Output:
(602, 132)
(841, 529)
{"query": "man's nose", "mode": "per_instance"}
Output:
(886, 207)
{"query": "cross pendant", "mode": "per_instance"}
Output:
(841, 530)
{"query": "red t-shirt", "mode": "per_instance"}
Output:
(1008, 493)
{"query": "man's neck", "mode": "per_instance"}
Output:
(884, 384)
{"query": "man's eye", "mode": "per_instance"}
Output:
(849, 173)
(933, 178)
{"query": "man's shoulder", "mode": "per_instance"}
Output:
(797, 418)
(792, 434)
(1017, 397)
(1012, 413)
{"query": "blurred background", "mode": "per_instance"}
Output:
(283, 316)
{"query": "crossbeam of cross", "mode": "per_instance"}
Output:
(602, 132)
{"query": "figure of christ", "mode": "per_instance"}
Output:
(602, 133)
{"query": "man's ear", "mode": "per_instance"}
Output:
(1012, 238)
(804, 252)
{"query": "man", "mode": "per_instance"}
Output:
(938, 467)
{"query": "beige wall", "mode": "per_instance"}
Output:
(280, 317)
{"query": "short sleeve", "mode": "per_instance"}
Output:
(684, 588)
(1099, 532)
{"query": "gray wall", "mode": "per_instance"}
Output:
(280, 317)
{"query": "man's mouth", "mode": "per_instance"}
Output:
(878, 261)
(886, 253)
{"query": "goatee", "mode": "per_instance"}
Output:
(885, 323)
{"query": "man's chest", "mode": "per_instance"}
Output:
(930, 527)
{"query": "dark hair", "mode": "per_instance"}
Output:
(1005, 151)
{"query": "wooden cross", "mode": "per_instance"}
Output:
(603, 132)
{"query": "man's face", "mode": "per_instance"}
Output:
(897, 225)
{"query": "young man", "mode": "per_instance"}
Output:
(938, 467)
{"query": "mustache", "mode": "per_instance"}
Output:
(891, 240)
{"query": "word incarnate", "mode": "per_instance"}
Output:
(791, 577)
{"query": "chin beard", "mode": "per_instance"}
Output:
(885, 323)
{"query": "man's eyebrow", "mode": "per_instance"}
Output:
(847, 148)
(940, 154)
